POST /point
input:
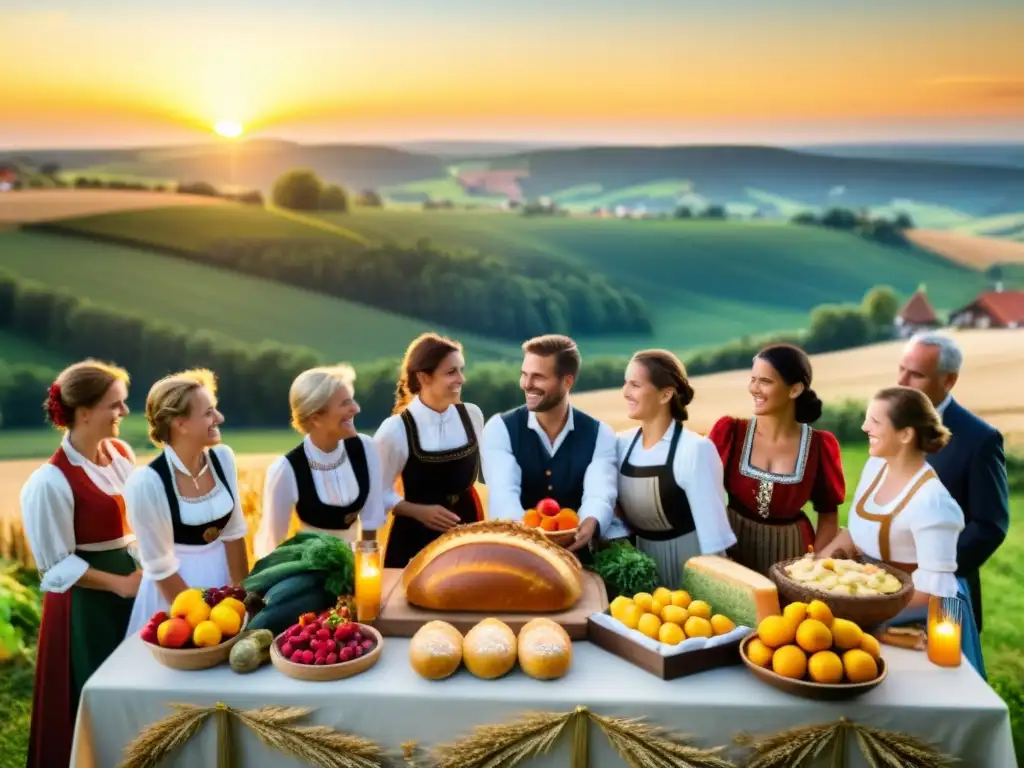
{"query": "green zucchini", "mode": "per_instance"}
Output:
(294, 585)
(278, 556)
(282, 614)
(261, 582)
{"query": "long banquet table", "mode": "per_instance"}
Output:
(954, 709)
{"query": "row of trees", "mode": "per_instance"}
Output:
(304, 190)
(472, 291)
(254, 379)
(878, 229)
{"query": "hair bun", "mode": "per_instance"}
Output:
(808, 407)
(933, 439)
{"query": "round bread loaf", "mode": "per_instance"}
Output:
(489, 649)
(494, 566)
(435, 651)
(545, 649)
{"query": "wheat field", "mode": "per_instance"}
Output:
(974, 251)
(32, 205)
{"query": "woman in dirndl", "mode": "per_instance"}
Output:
(776, 462)
(185, 507)
(432, 443)
(332, 479)
(903, 515)
(671, 495)
(74, 519)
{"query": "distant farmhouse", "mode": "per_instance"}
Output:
(997, 308)
(8, 178)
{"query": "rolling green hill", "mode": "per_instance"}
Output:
(199, 297)
(705, 282)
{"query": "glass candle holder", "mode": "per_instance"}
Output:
(368, 580)
(945, 627)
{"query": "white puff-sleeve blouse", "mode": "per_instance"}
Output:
(437, 432)
(925, 531)
(337, 487)
(150, 515)
(48, 514)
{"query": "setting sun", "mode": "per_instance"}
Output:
(229, 129)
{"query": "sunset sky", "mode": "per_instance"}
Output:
(104, 72)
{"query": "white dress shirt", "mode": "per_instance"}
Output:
(504, 477)
(48, 514)
(150, 514)
(925, 532)
(337, 487)
(437, 432)
(697, 469)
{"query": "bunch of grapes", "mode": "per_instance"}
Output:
(214, 595)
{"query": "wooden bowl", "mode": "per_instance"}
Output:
(324, 672)
(807, 688)
(193, 659)
(561, 538)
(867, 611)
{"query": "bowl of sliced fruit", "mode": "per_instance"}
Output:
(199, 629)
(866, 593)
(326, 647)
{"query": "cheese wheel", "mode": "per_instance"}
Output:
(489, 649)
(744, 595)
(545, 649)
(435, 651)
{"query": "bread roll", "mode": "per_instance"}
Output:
(545, 649)
(494, 566)
(435, 651)
(489, 649)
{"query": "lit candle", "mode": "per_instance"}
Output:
(368, 580)
(944, 631)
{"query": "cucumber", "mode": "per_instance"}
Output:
(294, 585)
(282, 614)
(280, 555)
(261, 582)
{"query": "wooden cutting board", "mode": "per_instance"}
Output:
(399, 619)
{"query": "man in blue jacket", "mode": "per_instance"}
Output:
(972, 466)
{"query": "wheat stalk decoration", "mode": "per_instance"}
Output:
(643, 745)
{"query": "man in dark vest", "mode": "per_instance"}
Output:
(972, 466)
(549, 449)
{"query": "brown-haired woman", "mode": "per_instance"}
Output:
(74, 519)
(185, 507)
(903, 515)
(775, 463)
(432, 443)
(670, 478)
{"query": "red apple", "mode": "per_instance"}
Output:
(548, 507)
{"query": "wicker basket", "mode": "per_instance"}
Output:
(867, 611)
(193, 659)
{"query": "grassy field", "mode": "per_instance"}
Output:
(205, 298)
(706, 282)
(18, 349)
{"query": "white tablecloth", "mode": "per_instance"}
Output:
(390, 704)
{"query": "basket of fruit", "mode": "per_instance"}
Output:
(558, 524)
(199, 630)
(326, 647)
(808, 652)
(866, 593)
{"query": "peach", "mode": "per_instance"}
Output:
(173, 633)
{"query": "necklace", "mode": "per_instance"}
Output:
(195, 478)
(325, 467)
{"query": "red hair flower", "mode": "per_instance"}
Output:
(54, 406)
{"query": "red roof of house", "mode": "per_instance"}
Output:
(1005, 307)
(918, 310)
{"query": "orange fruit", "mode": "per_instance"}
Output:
(531, 518)
(870, 644)
(630, 615)
(776, 631)
(549, 523)
(699, 608)
(567, 520)
(696, 626)
(860, 666)
(759, 653)
(207, 633)
(722, 625)
(650, 625)
(670, 634)
(662, 595)
(197, 613)
(825, 667)
(813, 636)
(674, 614)
(790, 661)
(681, 598)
